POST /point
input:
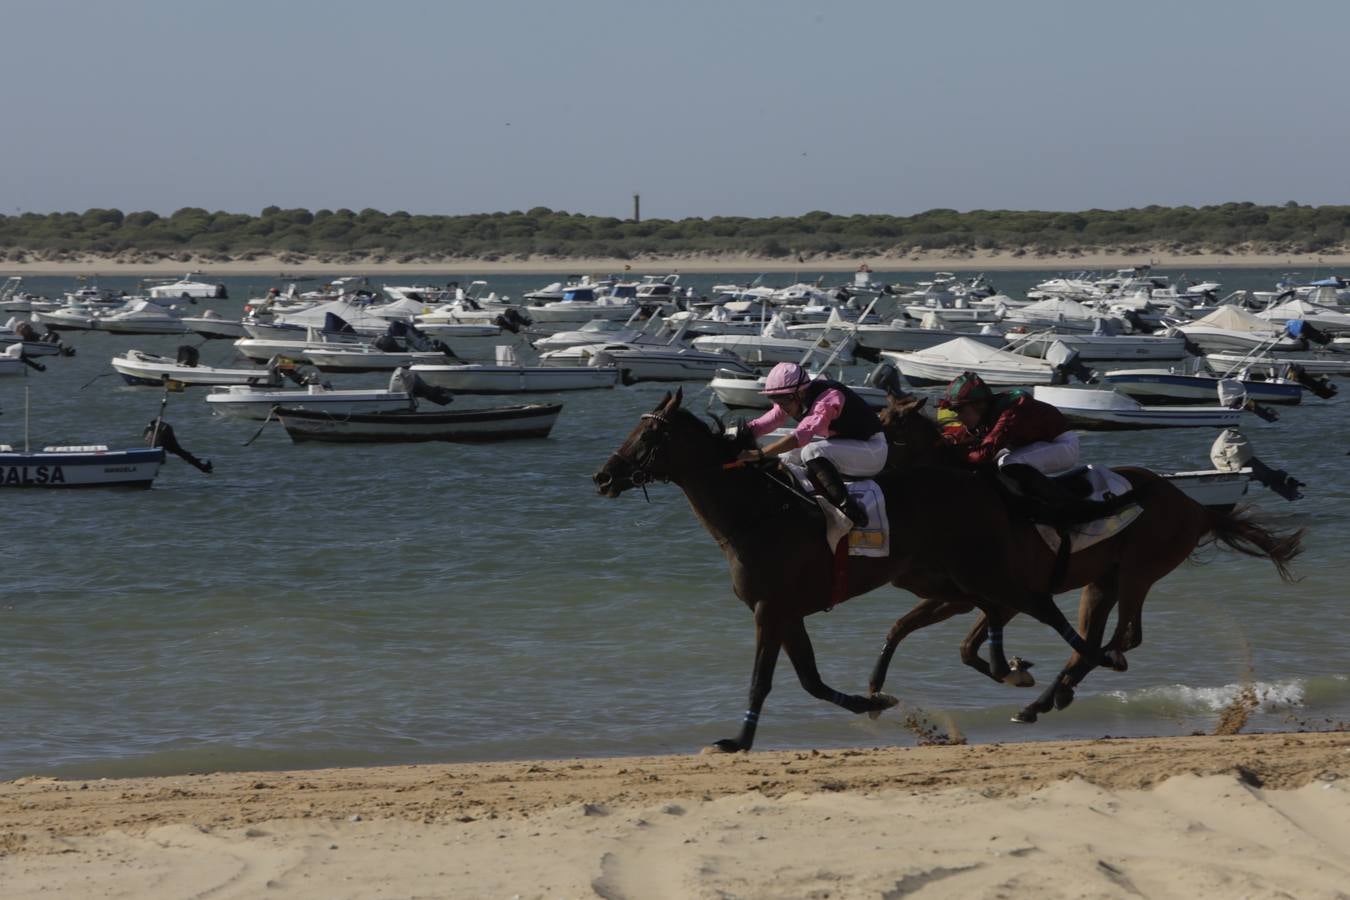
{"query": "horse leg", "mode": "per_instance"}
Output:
(797, 643)
(1094, 609)
(767, 645)
(928, 611)
(990, 625)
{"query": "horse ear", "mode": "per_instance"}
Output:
(679, 398)
(920, 403)
(665, 401)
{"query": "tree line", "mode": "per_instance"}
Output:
(541, 231)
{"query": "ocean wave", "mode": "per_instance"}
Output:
(1270, 695)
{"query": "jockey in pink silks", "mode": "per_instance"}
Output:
(837, 433)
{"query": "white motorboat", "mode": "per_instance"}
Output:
(368, 358)
(1232, 328)
(32, 344)
(186, 288)
(474, 342)
(1213, 488)
(1328, 319)
(246, 402)
(1314, 362)
(760, 350)
(510, 376)
(905, 336)
(602, 331)
(212, 325)
(647, 362)
(263, 349)
(578, 306)
(738, 391)
(140, 316)
(1093, 347)
(71, 317)
(1095, 409)
(1061, 315)
(939, 365)
(139, 367)
(1173, 386)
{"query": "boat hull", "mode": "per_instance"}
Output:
(478, 425)
(1163, 388)
(258, 405)
(516, 379)
(73, 469)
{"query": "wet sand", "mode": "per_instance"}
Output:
(1243, 815)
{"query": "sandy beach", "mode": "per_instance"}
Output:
(1263, 815)
(274, 267)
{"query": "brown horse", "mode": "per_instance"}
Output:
(1118, 571)
(951, 536)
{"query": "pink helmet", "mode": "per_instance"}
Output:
(785, 378)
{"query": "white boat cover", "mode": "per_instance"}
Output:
(1232, 318)
(973, 355)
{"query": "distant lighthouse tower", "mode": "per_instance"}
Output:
(637, 207)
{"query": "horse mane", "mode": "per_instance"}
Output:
(735, 442)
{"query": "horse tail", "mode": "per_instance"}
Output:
(1239, 530)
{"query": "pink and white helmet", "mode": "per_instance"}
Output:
(785, 378)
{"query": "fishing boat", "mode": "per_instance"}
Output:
(511, 375)
(213, 326)
(905, 336)
(468, 425)
(1094, 347)
(1094, 409)
(367, 358)
(1230, 328)
(1314, 362)
(186, 288)
(139, 367)
(140, 316)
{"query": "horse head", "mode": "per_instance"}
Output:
(915, 439)
(665, 445)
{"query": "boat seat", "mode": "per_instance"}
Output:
(1068, 477)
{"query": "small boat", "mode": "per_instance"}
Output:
(505, 423)
(213, 326)
(738, 391)
(510, 376)
(1214, 488)
(904, 336)
(1231, 328)
(92, 465)
(1093, 347)
(1314, 362)
(939, 365)
(776, 344)
(648, 362)
(1173, 386)
(367, 358)
(257, 403)
(140, 317)
(187, 289)
(1094, 409)
(139, 367)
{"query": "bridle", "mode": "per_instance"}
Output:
(641, 474)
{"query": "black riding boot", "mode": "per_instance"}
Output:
(1038, 486)
(830, 484)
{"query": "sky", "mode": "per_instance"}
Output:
(705, 108)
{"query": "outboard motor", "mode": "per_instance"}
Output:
(188, 355)
(1300, 330)
(1233, 395)
(1318, 385)
(1136, 321)
(1232, 451)
(1067, 365)
(386, 343)
(160, 434)
(405, 381)
(511, 321)
(886, 376)
(221, 293)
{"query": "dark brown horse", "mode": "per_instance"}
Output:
(1118, 571)
(951, 537)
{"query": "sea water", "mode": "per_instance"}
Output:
(317, 605)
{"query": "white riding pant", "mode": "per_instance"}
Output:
(856, 459)
(1048, 457)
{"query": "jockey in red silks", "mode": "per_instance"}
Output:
(1023, 437)
(837, 433)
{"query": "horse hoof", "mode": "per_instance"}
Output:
(1117, 661)
(882, 703)
(1019, 678)
(1018, 664)
(1025, 717)
(1063, 697)
(726, 745)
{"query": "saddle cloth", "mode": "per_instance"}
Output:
(1104, 483)
(873, 539)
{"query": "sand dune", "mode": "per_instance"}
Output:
(1245, 816)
